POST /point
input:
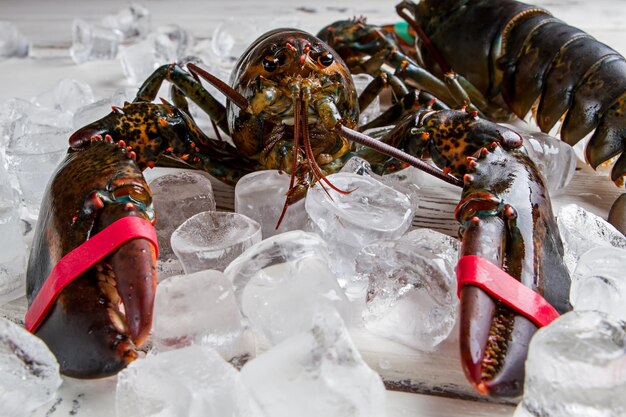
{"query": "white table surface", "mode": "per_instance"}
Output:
(48, 25)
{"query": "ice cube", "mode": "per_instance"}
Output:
(371, 211)
(599, 283)
(261, 196)
(575, 367)
(194, 381)
(91, 112)
(12, 246)
(283, 281)
(582, 231)
(123, 95)
(373, 109)
(315, 373)
(211, 240)
(358, 166)
(412, 288)
(177, 197)
(232, 37)
(179, 38)
(12, 254)
(30, 372)
(91, 42)
(12, 42)
(15, 310)
(40, 121)
(68, 95)
(131, 22)
(33, 169)
(555, 158)
(198, 309)
(406, 180)
(168, 267)
(141, 59)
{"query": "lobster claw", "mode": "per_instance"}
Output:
(511, 254)
(91, 276)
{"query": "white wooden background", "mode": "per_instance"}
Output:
(48, 25)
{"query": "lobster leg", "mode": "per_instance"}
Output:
(161, 134)
(192, 89)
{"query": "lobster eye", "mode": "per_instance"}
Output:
(325, 59)
(270, 63)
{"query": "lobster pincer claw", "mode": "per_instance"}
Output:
(91, 276)
(511, 276)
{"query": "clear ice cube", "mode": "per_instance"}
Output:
(412, 288)
(12, 42)
(15, 310)
(232, 37)
(211, 240)
(92, 42)
(371, 211)
(582, 230)
(373, 109)
(12, 246)
(177, 197)
(283, 281)
(406, 180)
(91, 112)
(131, 22)
(123, 95)
(179, 38)
(194, 381)
(139, 60)
(315, 373)
(33, 169)
(599, 282)
(575, 367)
(30, 372)
(68, 95)
(198, 309)
(261, 196)
(555, 159)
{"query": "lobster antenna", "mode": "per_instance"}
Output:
(445, 68)
(224, 88)
(382, 147)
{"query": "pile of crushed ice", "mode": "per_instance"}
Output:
(251, 320)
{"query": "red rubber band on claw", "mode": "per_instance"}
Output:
(85, 256)
(479, 272)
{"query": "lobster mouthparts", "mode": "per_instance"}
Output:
(98, 320)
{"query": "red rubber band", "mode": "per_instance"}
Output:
(479, 272)
(85, 256)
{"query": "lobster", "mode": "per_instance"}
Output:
(292, 106)
(502, 56)
(289, 93)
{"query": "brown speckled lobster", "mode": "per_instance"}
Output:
(292, 106)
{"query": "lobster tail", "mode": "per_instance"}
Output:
(523, 58)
